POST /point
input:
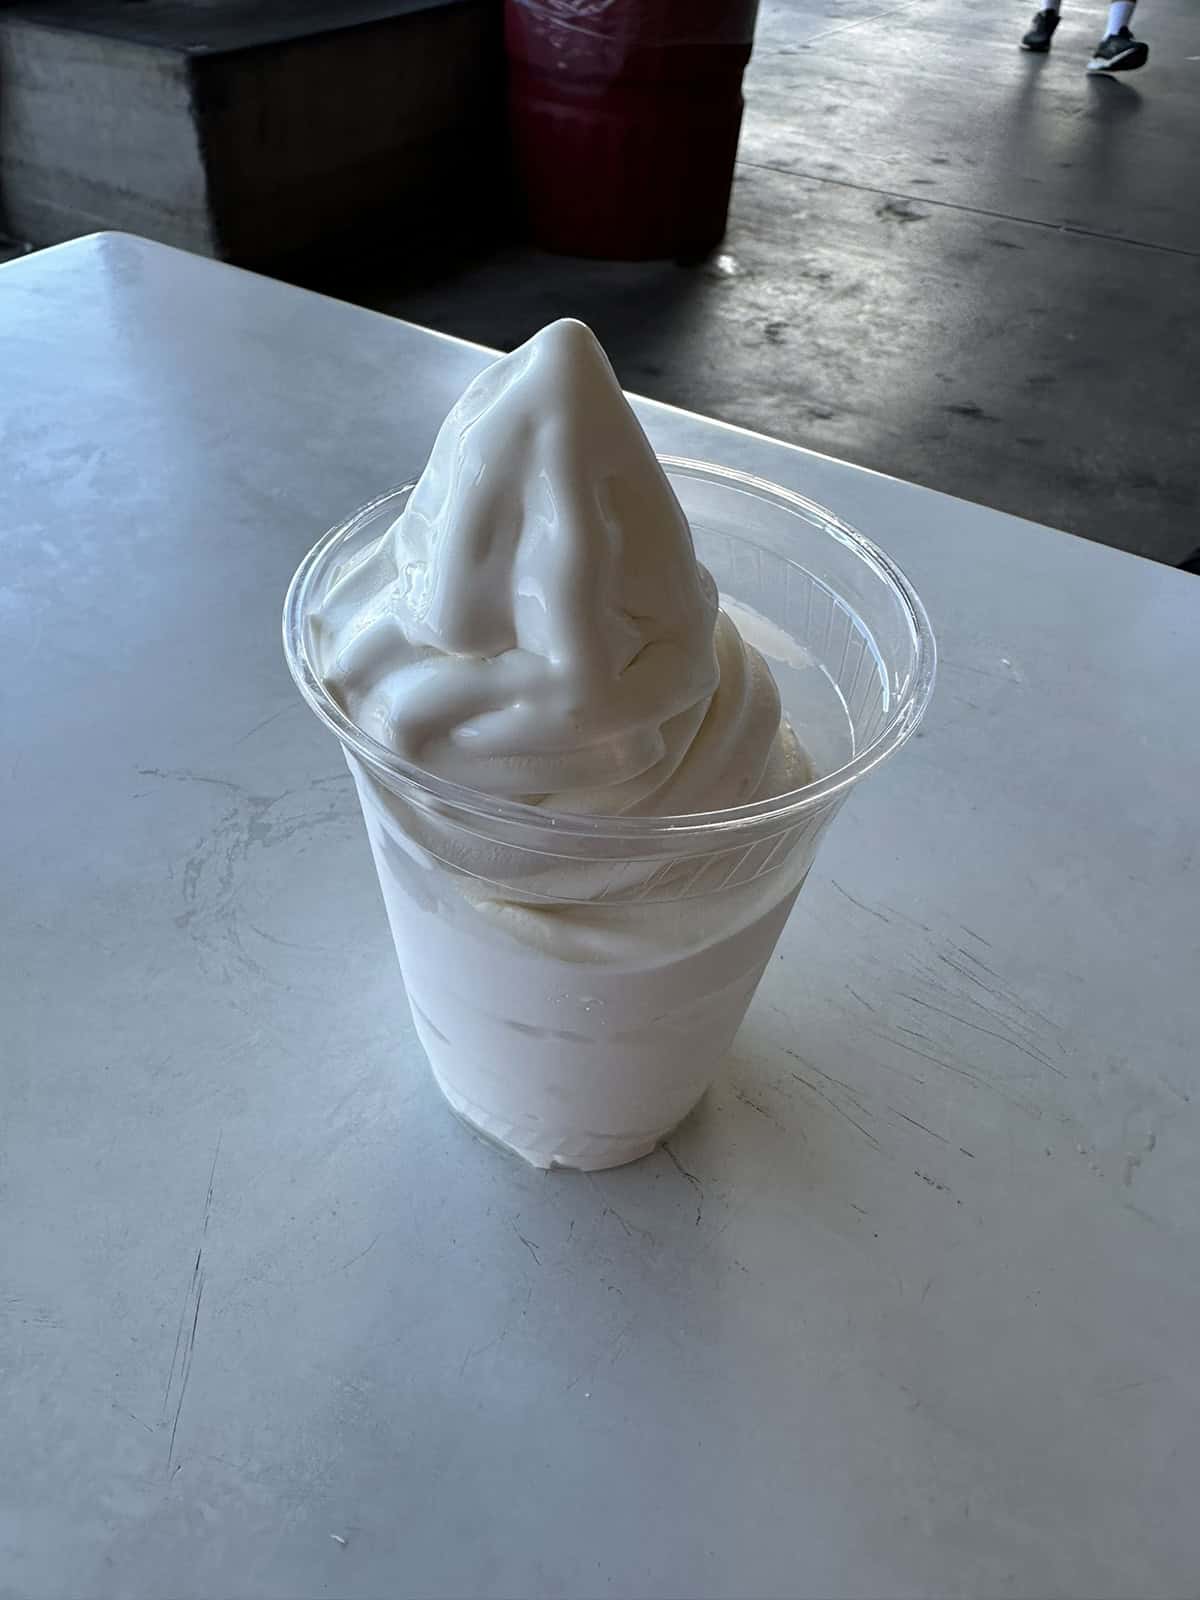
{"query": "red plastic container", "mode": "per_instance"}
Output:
(625, 118)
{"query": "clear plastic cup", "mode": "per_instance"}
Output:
(576, 980)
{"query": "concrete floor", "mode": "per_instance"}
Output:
(947, 259)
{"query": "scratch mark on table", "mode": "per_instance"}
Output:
(475, 1351)
(185, 776)
(366, 1250)
(132, 1418)
(841, 1110)
(859, 998)
(981, 672)
(613, 1350)
(212, 1174)
(961, 1072)
(288, 944)
(942, 1188)
(630, 1228)
(965, 972)
(529, 1244)
(39, 1316)
(182, 1354)
(913, 1033)
(897, 1112)
(689, 1176)
(914, 922)
(179, 1332)
(1002, 993)
(259, 726)
(838, 1083)
(1137, 1383)
(186, 1366)
(870, 911)
(975, 960)
(740, 1095)
(992, 1033)
(1180, 1094)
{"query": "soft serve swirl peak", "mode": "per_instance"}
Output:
(535, 624)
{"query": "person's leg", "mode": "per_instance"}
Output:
(1041, 30)
(1120, 15)
(1119, 51)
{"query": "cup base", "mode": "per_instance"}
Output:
(576, 1152)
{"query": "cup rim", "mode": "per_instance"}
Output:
(783, 809)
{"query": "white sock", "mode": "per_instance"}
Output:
(1119, 14)
(1052, 5)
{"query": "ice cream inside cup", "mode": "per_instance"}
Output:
(588, 813)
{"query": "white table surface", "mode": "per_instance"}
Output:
(915, 1312)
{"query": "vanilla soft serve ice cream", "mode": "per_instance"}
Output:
(535, 623)
(534, 633)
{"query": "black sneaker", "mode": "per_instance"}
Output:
(1041, 32)
(1120, 52)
